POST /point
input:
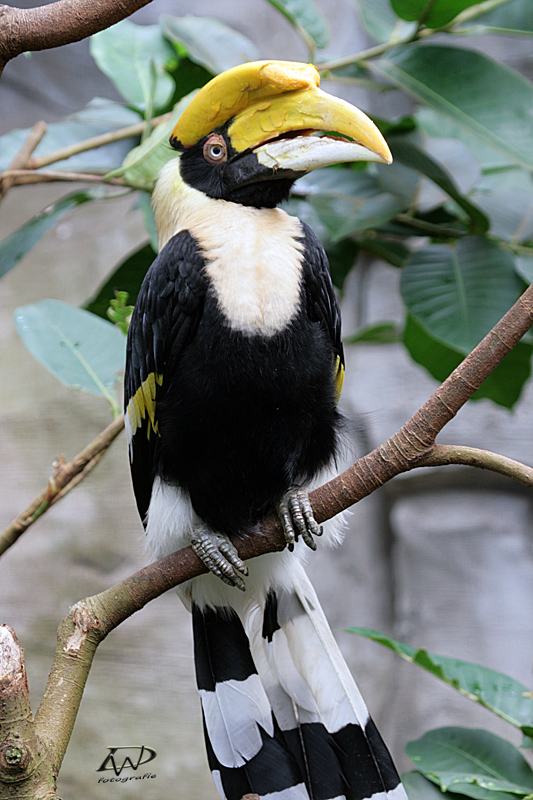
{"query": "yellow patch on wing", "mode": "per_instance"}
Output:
(339, 377)
(142, 405)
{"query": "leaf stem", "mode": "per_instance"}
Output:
(94, 142)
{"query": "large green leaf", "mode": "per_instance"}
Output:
(143, 164)
(306, 18)
(133, 57)
(15, 246)
(345, 215)
(432, 14)
(210, 42)
(435, 124)
(459, 291)
(489, 100)
(513, 17)
(503, 386)
(77, 347)
(100, 116)
(506, 196)
(348, 200)
(410, 155)
(473, 762)
(503, 695)
(127, 277)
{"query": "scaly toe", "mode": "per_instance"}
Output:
(297, 519)
(219, 555)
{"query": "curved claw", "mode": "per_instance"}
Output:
(297, 519)
(219, 555)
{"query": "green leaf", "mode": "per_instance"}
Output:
(342, 257)
(127, 277)
(119, 312)
(503, 386)
(419, 788)
(407, 153)
(187, 76)
(15, 246)
(459, 291)
(468, 760)
(378, 18)
(514, 17)
(524, 267)
(378, 333)
(77, 347)
(98, 117)
(391, 251)
(432, 14)
(306, 18)
(133, 57)
(210, 42)
(143, 164)
(430, 73)
(435, 124)
(499, 693)
(510, 209)
(347, 201)
(348, 215)
(144, 204)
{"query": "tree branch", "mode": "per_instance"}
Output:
(64, 478)
(444, 454)
(57, 24)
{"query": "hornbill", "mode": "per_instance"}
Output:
(234, 368)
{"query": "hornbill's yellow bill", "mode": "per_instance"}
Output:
(277, 122)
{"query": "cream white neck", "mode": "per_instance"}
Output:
(253, 255)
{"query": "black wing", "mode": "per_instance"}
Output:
(165, 317)
(322, 304)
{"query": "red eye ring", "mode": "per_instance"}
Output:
(215, 149)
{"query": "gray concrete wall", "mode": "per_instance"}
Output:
(442, 559)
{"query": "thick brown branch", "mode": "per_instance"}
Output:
(25, 767)
(65, 477)
(57, 24)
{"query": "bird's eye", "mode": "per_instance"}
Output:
(215, 150)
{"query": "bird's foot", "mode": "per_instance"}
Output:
(219, 555)
(297, 518)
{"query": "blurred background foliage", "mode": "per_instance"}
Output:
(454, 213)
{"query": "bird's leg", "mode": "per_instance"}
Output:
(219, 555)
(297, 519)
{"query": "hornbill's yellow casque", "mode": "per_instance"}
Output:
(234, 369)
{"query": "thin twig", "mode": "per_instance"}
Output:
(23, 157)
(95, 142)
(65, 477)
(22, 177)
(444, 454)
